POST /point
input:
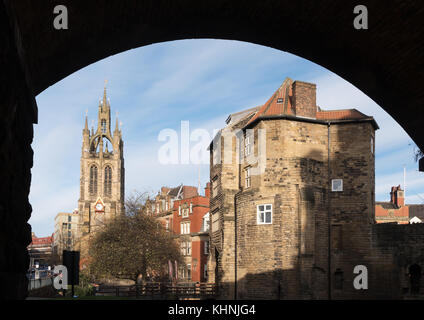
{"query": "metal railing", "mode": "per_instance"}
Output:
(157, 290)
(39, 283)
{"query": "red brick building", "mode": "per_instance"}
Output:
(163, 202)
(393, 211)
(189, 222)
(40, 250)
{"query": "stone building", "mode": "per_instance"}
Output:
(286, 177)
(397, 210)
(102, 173)
(163, 202)
(65, 232)
(185, 214)
(190, 224)
(393, 211)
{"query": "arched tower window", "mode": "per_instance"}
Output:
(108, 181)
(103, 126)
(93, 180)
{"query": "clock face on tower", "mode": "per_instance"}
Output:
(99, 207)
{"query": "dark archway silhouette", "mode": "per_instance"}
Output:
(415, 278)
(382, 61)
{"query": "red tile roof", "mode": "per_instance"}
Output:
(280, 104)
(45, 240)
(347, 114)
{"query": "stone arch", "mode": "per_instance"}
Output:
(322, 32)
(383, 62)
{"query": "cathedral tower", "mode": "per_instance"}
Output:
(102, 172)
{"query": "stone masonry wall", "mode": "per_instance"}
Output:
(285, 259)
(18, 113)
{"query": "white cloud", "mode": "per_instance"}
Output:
(156, 87)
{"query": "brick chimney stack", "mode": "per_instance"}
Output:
(208, 190)
(304, 99)
(397, 196)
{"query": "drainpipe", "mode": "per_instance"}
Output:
(329, 212)
(235, 231)
(235, 244)
(235, 235)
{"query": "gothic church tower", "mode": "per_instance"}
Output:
(102, 172)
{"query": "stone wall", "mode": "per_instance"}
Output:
(18, 113)
(289, 258)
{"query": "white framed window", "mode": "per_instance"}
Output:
(189, 272)
(206, 222)
(206, 247)
(188, 248)
(191, 207)
(166, 205)
(247, 177)
(185, 227)
(179, 210)
(247, 145)
(337, 185)
(264, 214)
(216, 152)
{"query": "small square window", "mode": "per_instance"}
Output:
(337, 185)
(280, 100)
(264, 214)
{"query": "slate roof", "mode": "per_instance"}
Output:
(416, 210)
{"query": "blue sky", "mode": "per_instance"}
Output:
(200, 81)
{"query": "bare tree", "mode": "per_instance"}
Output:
(418, 154)
(132, 245)
(136, 203)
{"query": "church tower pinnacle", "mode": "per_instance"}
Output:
(102, 173)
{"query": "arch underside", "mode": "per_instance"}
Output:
(383, 61)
